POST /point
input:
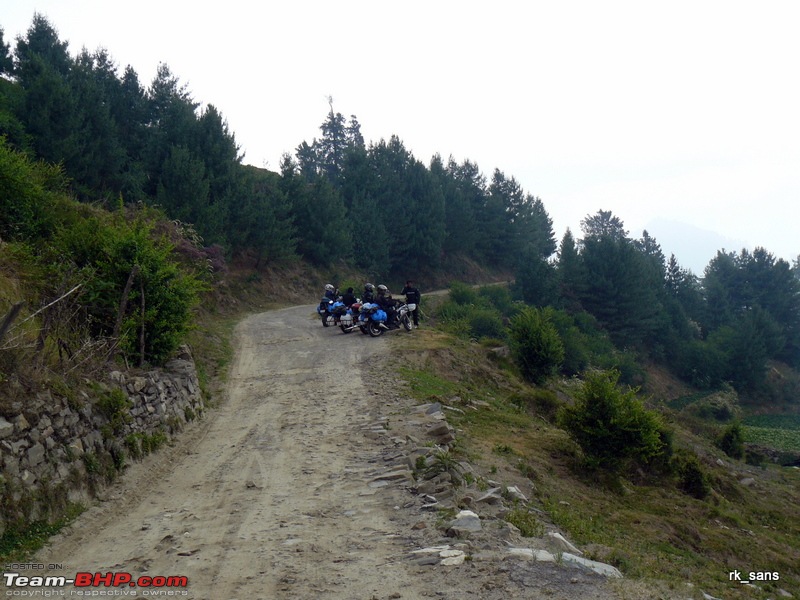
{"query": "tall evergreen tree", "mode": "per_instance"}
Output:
(571, 277)
(262, 224)
(171, 120)
(411, 205)
(332, 145)
(99, 163)
(603, 224)
(618, 288)
(319, 214)
(131, 114)
(6, 62)
(42, 67)
(464, 189)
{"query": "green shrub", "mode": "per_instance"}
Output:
(486, 323)
(27, 193)
(535, 344)
(162, 296)
(691, 477)
(731, 440)
(114, 406)
(499, 297)
(612, 426)
(461, 293)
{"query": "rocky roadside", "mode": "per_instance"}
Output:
(454, 517)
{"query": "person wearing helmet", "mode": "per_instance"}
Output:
(387, 303)
(369, 293)
(330, 292)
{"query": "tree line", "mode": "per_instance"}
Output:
(376, 206)
(334, 198)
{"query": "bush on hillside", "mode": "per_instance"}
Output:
(731, 440)
(461, 293)
(692, 479)
(612, 426)
(535, 344)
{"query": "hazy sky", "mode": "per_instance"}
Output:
(678, 114)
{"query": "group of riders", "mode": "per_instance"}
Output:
(381, 296)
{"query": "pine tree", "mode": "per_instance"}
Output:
(48, 110)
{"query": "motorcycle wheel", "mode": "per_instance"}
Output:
(325, 321)
(346, 329)
(375, 330)
(364, 329)
(406, 322)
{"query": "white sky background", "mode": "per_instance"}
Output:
(679, 116)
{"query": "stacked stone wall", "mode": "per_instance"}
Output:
(56, 448)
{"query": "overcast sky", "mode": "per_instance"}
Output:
(676, 116)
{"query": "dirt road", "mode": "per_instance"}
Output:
(278, 493)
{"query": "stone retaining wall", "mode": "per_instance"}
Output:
(63, 447)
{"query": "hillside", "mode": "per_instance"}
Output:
(646, 523)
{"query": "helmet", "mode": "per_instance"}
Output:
(329, 288)
(383, 288)
(369, 286)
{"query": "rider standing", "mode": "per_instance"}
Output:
(412, 297)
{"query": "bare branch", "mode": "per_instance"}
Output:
(49, 305)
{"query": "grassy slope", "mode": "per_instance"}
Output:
(646, 527)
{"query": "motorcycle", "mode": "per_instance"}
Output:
(350, 320)
(402, 318)
(369, 316)
(330, 311)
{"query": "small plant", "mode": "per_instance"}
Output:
(443, 461)
(526, 522)
(503, 449)
(134, 445)
(91, 462)
(420, 463)
(115, 407)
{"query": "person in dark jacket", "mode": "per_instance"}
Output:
(387, 303)
(412, 297)
(349, 297)
(369, 293)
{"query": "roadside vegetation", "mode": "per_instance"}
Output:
(638, 477)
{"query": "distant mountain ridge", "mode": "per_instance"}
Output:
(693, 246)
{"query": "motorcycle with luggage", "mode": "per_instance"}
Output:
(402, 319)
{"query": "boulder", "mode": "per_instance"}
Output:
(592, 565)
(465, 522)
